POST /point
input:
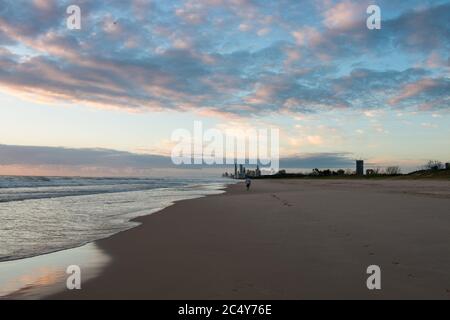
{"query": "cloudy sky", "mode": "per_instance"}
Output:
(137, 70)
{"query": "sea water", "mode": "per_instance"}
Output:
(39, 215)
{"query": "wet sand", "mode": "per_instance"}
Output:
(39, 276)
(291, 239)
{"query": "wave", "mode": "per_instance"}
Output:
(28, 188)
(59, 217)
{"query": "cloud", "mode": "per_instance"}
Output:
(429, 125)
(425, 90)
(319, 160)
(414, 30)
(58, 156)
(308, 36)
(57, 160)
(201, 56)
(411, 88)
(315, 140)
(344, 15)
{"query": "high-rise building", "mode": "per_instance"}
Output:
(235, 170)
(360, 167)
(257, 171)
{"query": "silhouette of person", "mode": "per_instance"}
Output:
(248, 182)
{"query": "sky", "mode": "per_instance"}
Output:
(136, 71)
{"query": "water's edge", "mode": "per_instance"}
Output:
(44, 273)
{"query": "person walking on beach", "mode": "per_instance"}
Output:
(248, 182)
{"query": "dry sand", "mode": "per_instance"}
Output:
(292, 239)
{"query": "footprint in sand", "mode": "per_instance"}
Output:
(285, 203)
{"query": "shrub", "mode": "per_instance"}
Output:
(393, 170)
(434, 165)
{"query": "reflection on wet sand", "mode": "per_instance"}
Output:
(40, 276)
(25, 285)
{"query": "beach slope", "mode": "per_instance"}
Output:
(296, 239)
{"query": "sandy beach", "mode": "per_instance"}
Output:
(285, 239)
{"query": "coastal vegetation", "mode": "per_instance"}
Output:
(433, 169)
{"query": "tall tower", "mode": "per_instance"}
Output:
(257, 171)
(235, 170)
(360, 167)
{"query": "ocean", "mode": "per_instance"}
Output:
(39, 215)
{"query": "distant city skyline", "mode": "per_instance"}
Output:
(105, 99)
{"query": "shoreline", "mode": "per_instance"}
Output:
(94, 241)
(282, 241)
(42, 275)
(33, 283)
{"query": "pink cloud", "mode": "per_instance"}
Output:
(413, 89)
(344, 15)
(307, 36)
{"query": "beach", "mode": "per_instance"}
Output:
(132, 130)
(286, 239)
